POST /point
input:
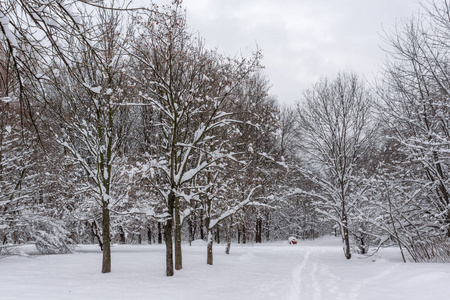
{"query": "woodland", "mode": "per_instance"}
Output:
(119, 126)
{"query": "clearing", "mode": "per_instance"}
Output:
(309, 270)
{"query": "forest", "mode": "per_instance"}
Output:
(119, 126)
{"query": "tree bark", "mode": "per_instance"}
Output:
(94, 228)
(149, 234)
(209, 256)
(194, 225)
(227, 249)
(217, 235)
(178, 225)
(159, 233)
(258, 235)
(190, 230)
(239, 234)
(168, 227)
(267, 227)
(344, 226)
(209, 249)
(244, 235)
(345, 236)
(169, 247)
(106, 264)
(448, 224)
(122, 235)
(202, 234)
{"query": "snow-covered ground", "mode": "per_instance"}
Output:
(309, 270)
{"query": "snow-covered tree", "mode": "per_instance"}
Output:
(334, 131)
(187, 86)
(82, 102)
(258, 140)
(415, 92)
(28, 210)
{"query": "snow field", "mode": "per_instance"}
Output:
(309, 270)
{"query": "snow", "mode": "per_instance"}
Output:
(4, 22)
(6, 99)
(42, 76)
(308, 270)
(95, 90)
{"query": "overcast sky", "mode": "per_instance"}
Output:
(301, 40)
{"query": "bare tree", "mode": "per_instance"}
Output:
(415, 92)
(334, 130)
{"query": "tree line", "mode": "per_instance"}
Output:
(118, 125)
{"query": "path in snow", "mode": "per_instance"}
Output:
(316, 277)
(324, 273)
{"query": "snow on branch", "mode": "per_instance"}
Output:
(234, 209)
(281, 163)
(188, 175)
(6, 99)
(186, 197)
(221, 115)
(95, 90)
(11, 38)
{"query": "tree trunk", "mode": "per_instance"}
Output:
(94, 228)
(267, 227)
(149, 234)
(190, 230)
(169, 247)
(209, 256)
(256, 232)
(209, 249)
(447, 219)
(260, 231)
(345, 236)
(244, 236)
(106, 264)
(168, 227)
(239, 234)
(122, 236)
(363, 245)
(159, 233)
(227, 249)
(178, 253)
(258, 235)
(202, 234)
(194, 225)
(218, 235)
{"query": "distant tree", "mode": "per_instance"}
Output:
(334, 131)
(287, 132)
(294, 212)
(257, 138)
